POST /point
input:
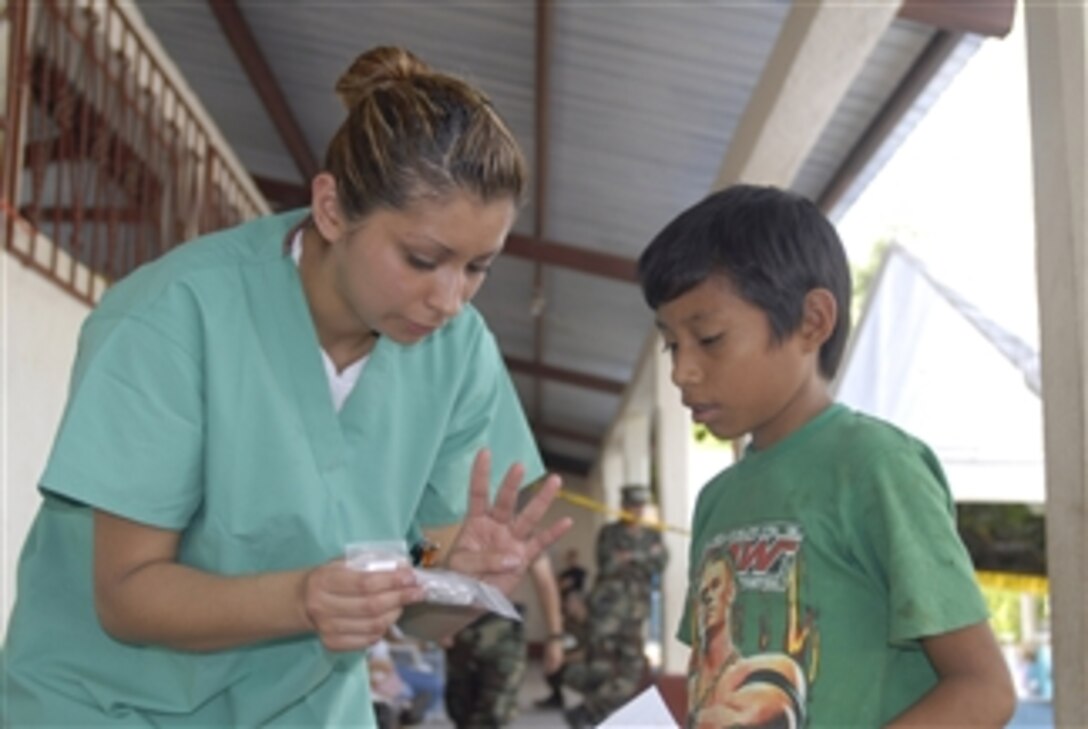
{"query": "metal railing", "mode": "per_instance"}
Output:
(107, 163)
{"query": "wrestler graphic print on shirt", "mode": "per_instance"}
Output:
(749, 647)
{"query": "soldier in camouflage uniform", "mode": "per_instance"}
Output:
(485, 663)
(485, 666)
(629, 555)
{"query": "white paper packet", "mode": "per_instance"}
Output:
(646, 710)
(440, 586)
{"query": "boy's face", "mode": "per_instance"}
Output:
(731, 373)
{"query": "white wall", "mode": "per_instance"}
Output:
(39, 324)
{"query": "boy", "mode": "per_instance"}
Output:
(842, 556)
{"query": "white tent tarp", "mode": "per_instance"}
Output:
(925, 360)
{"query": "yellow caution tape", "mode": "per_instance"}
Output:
(594, 505)
(1011, 581)
(1014, 582)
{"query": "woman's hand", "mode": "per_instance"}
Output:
(496, 542)
(350, 610)
(144, 596)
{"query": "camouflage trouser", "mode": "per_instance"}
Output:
(606, 683)
(614, 666)
(484, 669)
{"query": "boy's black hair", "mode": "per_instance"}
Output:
(774, 246)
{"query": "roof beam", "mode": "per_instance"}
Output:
(914, 83)
(565, 464)
(820, 50)
(283, 194)
(556, 431)
(264, 81)
(569, 377)
(992, 18)
(584, 260)
(564, 255)
(88, 215)
(540, 184)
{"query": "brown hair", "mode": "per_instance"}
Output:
(413, 132)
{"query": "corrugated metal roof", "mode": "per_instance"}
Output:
(643, 101)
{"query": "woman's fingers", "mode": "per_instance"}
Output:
(479, 495)
(497, 541)
(350, 610)
(548, 536)
(506, 500)
(343, 633)
(481, 564)
(532, 513)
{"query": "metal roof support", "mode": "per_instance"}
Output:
(575, 258)
(569, 377)
(928, 64)
(809, 72)
(254, 63)
(538, 304)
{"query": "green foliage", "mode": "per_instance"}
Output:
(865, 276)
(1005, 618)
(1004, 537)
(1004, 608)
(705, 439)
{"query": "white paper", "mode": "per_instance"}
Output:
(647, 709)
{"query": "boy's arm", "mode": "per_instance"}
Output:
(973, 688)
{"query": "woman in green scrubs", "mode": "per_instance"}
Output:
(249, 404)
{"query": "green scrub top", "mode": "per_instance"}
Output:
(199, 403)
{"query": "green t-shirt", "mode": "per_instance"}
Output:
(199, 403)
(823, 560)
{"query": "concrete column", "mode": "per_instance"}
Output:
(612, 472)
(672, 455)
(636, 448)
(1057, 78)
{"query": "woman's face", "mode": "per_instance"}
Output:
(405, 273)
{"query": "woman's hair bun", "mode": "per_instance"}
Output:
(375, 68)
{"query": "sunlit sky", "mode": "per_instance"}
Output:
(958, 192)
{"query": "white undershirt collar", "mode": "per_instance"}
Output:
(340, 383)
